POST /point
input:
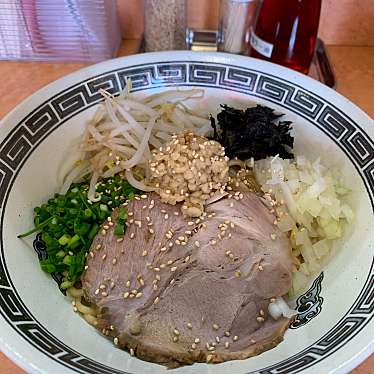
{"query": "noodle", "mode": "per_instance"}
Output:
(88, 312)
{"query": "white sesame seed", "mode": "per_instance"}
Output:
(98, 247)
(132, 235)
(260, 267)
(273, 236)
(215, 326)
(97, 292)
(176, 332)
(138, 223)
(262, 313)
(163, 249)
(156, 300)
(211, 348)
(86, 267)
(104, 294)
(189, 325)
(140, 294)
(218, 339)
(197, 244)
(128, 284)
(193, 345)
(235, 338)
(227, 333)
(114, 261)
(103, 257)
(174, 268)
(103, 232)
(115, 341)
(260, 319)
(119, 240)
(102, 286)
(132, 352)
(227, 345)
(175, 339)
(144, 253)
(156, 269)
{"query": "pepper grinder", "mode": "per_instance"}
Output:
(165, 25)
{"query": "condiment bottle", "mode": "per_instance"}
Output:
(165, 25)
(286, 32)
(236, 18)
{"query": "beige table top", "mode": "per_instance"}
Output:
(354, 68)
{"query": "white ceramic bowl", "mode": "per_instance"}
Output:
(39, 330)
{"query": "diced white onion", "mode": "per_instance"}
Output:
(314, 209)
(279, 308)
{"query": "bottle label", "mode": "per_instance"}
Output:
(261, 46)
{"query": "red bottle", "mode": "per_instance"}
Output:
(286, 32)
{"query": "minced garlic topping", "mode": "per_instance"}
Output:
(189, 168)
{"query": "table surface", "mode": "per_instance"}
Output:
(354, 69)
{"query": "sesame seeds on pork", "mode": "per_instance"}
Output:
(177, 291)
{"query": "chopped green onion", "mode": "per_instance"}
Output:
(64, 239)
(69, 223)
(119, 230)
(122, 213)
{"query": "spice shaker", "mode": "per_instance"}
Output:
(165, 25)
(237, 17)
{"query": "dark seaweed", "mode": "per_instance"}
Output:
(254, 132)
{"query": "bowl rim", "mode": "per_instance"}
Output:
(211, 59)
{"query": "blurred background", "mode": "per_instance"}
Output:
(343, 22)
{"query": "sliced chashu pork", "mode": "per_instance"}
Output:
(176, 291)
